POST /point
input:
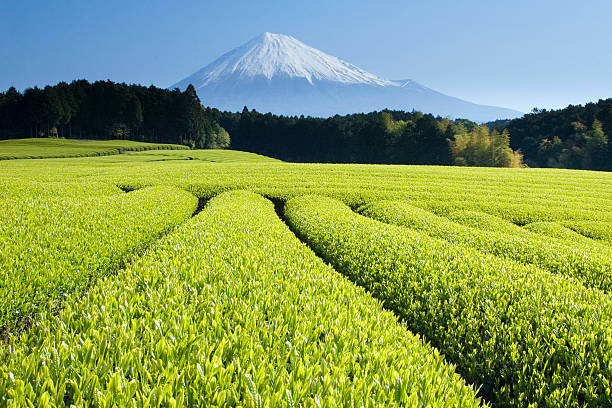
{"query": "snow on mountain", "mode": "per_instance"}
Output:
(280, 74)
(271, 55)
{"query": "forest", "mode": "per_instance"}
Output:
(106, 110)
(387, 137)
(574, 137)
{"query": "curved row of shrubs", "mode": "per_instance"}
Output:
(523, 335)
(585, 262)
(230, 309)
(56, 245)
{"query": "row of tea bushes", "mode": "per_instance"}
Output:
(484, 221)
(230, 309)
(38, 148)
(520, 196)
(524, 335)
(596, 229)
(556, 230)
(587, 232)
(18, 189)
(54, 246)
(588, 263)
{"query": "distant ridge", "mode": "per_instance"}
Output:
(278, 73)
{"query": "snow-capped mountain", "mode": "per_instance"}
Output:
(279, 74)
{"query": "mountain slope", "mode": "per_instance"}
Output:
(277, 73)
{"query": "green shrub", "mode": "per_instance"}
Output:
(55, 246)
(230, 309)
(585, 262)
(521, 334)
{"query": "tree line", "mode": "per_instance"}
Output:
(387, 137)
(575, 137)
(106, 110)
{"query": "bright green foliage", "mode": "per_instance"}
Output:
(600, 230)
(218, 138)
(587, 232)
(233, 285)
(483, 221)
(208, 155)
(228, 310)
(27, 189)
(51, 147)
(566, 231)
(479, 147)
(524, 335)
(557, 230)
(57, 245)
(585, 262)
(520, 195)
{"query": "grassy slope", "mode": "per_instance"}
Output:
(518, 195)
(40, 148)
(207, 155)
(51, 147)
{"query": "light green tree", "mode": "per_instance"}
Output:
(481, 147)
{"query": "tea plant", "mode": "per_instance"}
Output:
(523, 335)
(230, 309)
(586, 262)
(54, 246)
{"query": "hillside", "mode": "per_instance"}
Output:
(575, 137)
(206, 155)
(36, 148)
(39, 148)
(354, 277)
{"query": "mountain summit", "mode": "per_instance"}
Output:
(278, 73)
(278, 55)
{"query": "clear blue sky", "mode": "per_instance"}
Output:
(518, 54)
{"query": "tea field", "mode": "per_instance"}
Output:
(38, 148)
(209, 278)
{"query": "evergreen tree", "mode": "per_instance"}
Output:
(558, 138)
(104, 110)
